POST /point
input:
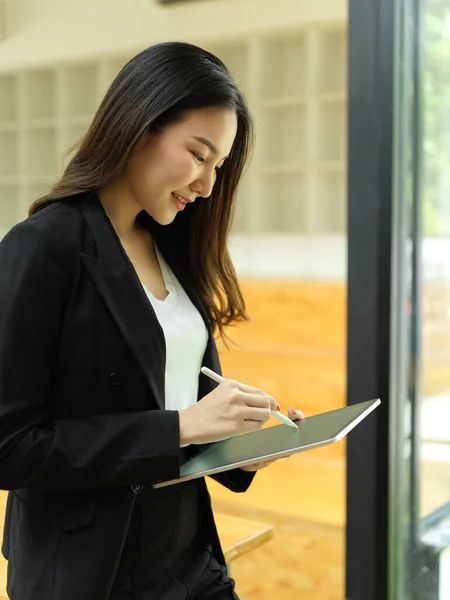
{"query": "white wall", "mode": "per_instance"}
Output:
(290, 257)
(3, 21)
(48, 32)
(45, 31)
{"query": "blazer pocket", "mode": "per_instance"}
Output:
(68, 510)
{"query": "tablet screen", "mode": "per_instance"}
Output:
(277, 441)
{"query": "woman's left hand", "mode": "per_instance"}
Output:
(294, 415)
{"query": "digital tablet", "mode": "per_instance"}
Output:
(274, 442)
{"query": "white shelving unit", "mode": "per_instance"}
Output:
(38, 98)
(79, 92)
(296, 87)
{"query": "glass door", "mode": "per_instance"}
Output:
(420, 441)
(398, 465)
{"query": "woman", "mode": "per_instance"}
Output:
(109, 294)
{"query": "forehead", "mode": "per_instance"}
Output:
(218, 125)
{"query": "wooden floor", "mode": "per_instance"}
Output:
(294, 348)
(304, 561)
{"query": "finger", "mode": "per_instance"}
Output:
(265, 463)
(258, 466)
(295, 414)
(259, 398)
(249, 426)
(260, 415)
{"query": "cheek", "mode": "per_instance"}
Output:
(162, 171)
(180, 170)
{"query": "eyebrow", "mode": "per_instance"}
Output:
(209, 144)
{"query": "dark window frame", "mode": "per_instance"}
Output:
(371, 98)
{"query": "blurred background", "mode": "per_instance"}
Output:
(289, 241)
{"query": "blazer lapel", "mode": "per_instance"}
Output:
(117, 282)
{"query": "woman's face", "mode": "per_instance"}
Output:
(167, 172)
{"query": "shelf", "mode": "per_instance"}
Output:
(9, 180)
(282, 204)
(282, 168)
(8, 126)
(42, 123)
(243, 206)
(283, 101)
(331, 166)
(114, 65)
(282, 135)
(81, 120)
(74, 133)
(33, 192)
(296, 83)
(80, 90)
(40, 94)
(330, 140)
(330, 76)
(8, 208)
(43, 180)
(8, 98)
(283, 66)
(339, 97)
(331, 202)
(234, 56)
(8, 153)
(40, 153)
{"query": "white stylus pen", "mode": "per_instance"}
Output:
(216, 377)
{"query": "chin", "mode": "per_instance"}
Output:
(165, 219)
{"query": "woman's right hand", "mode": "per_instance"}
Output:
(231, 409)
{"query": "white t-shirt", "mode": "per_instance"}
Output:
(186, 338)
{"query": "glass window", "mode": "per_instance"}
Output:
(422, 533)
(435, 258)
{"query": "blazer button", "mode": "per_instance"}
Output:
(137, 488)
(113, 379)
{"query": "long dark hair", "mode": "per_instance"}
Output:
(154, 89)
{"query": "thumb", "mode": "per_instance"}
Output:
(294, 414)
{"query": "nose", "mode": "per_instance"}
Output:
(203, 186)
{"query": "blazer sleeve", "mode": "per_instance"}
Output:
(235, 480)
(76, 453)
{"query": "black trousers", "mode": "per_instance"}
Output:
(167, 555)
(214, 584)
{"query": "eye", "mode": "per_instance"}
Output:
(202, 160)
(198, 157)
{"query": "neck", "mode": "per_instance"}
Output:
(121, 209)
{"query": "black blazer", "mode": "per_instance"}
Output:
(82, 361)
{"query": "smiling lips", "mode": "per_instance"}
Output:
(180, 201)
(182, 198)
